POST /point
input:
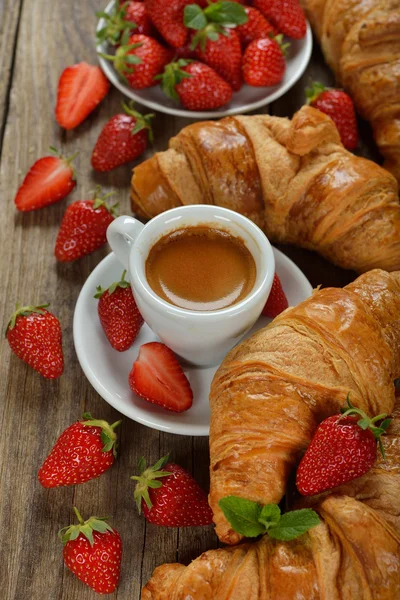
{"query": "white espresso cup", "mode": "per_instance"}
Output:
(200, 337)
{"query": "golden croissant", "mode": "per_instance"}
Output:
(361, 43)
(266, 400)
(293, 178)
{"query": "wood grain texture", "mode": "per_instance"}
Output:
(33, 411)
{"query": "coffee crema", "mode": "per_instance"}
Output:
(201, 268)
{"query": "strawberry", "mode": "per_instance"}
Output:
(257, 27)
(84, 451)
(140, 60)
(122, 139)
(80, 89)
(49, 180)
(83, 228)
(119, 315)
(93, 551)
(277, 301)
(264, 62)
(343, 448)
(167, 16)
(127, 17)
(34, 335)
(216, 43)
(169, 496)
(339, 107)
(286, 15)
(157, 377)
(196, 85)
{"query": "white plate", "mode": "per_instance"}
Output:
(108, 370)
(246, 99)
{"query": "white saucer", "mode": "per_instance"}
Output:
(108, 370)
(246, 99)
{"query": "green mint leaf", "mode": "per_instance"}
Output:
(227, 13)
(194, 17)
(293, 524)
(270, 515)
(242, 515)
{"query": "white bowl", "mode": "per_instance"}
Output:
(108, 370)
(246, 99)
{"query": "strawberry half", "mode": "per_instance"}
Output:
(49, 180)
(80, 89)
(119, 316)
(169, 496)
(84, 451)
(157, 377)
(34, 335)
(84, 226)
(342, 449)
(277, 301)
(122, 139)
(93, 552)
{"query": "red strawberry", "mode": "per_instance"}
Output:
(343, 448)
(119, 315)
(286, 15)
(277, 301)
(157, 377)
(122, 139)
(34, 335)
(49, 180)
(83, 228)
(140, 60)
(126, 18)
(80, 89)
(167, 16)
(93, 551)
(257, 27)
(84, 451)
(175, 501)
(264, 62)
(197, 86)
(339, 107)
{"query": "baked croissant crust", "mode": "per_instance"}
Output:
(293, 178)
(361, 43)
(266, 400)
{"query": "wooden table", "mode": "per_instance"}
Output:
(38, 39)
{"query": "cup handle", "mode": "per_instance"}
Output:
(121, 235)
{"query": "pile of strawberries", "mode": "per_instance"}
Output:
(201, 52)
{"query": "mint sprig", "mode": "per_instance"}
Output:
(251, 519)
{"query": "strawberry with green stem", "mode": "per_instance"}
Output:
(34, 335)
(343, 448)
(169, 496)
(123, 139)
(339, 107)
(93, 552)
(84, 226)
(84, 451)
(139, 59)
(127, 17)
(264, 61)
(49, 180)
(196, 85)
(216, 42)
(119, 316)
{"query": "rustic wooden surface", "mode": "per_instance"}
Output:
(37, 40)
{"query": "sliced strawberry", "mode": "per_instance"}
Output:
(157, 377)
(277, 301)
(80, 89)
(50, 179)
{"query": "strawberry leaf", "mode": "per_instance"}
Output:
(243, 515)
(293, 524)
(231, 13)
(194, 17)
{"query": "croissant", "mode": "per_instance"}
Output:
(266, 401)
(361, 43)
(293, 178)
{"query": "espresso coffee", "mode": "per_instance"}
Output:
(201, 268)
